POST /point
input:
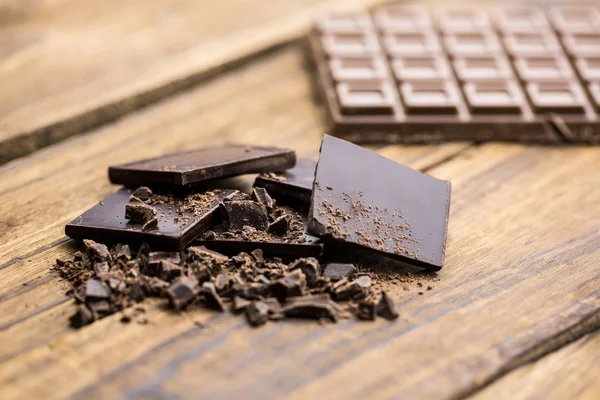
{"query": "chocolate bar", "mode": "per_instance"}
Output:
(194, 166)
(179, 220)
(398, 74)
(367, 206)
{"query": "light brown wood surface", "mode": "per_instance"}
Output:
(572, 372)
(67, 66)
(521, 279)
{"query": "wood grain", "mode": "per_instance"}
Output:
(569, 373)
(67, 66)
(267, 102)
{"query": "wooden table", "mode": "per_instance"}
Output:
(84, 84)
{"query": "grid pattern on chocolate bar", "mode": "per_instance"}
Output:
(399, 74)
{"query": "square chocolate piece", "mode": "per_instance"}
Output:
(431, 97)
(463, 19)
(582, 44)
(350, 44)
(543, 67)
(369, 205)
(481, 67)
(493, 97)
(472, 43)
(589, 68)
(575, 19)
(402, 18)
(407, 68)
(357, 68)
(556, 96)
(366, 98)
(527, 44)
(520, 19)
(411, 43)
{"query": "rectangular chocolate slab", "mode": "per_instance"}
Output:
(194, 166)
(397, 74)
(365, 203)
(295, 183)
(180, 220)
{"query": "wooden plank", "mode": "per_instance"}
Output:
(520, 280)
(569, 373)
(268, 102)
(68, 66)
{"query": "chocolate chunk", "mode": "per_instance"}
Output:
(211, 298)
(180, 219)
(366, 310)
(156, 257)
(239, 304)
(221, 283)
(95, 290)
(168, 270)
(100, 308)
(83, 316)
(280, 226)
(97, 251)
(338, 271)
(149, 225)
(386, 307)
(291, 285)
(295, 183)
(194, 166)
(182, 293)
(261, 196)
(258, 255)
(275, 309)
(398, 215)
(251, 291)
(310, 268)
(121, 251)
(317, 307)
(138, 211)
(143, 193)
(240, 213)
(257, 313)
(101, 268)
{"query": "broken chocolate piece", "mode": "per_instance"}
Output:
(151, 224)
(155, 257)
(317, 307)
(143, 193)
(121, 251)
(310, 268)
(221, 283)
(180, 219)
(295, 183)
(240, 213)
(138, 211)
(257, 313)
(280, 226)
(338, 271)
(366, 310)
(168, 270)
(194, 166)
(182, 292)
(98, 252)
(83, 316)
(386, 307)
(96, 290)
(258, 255)
(211, 298)
(293, 284)
(399, 215)
(239, 304)
(261, 196)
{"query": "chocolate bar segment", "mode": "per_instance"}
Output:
(194, 166)
(396, 214)
(180, 219)
(462, 74)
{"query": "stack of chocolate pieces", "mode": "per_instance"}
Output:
(290, 247)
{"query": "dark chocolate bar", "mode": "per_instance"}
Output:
(399, 75)
(179, 219)
(295, 183)
(200, 165)
(365, 203)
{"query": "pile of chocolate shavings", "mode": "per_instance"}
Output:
(106, 281)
